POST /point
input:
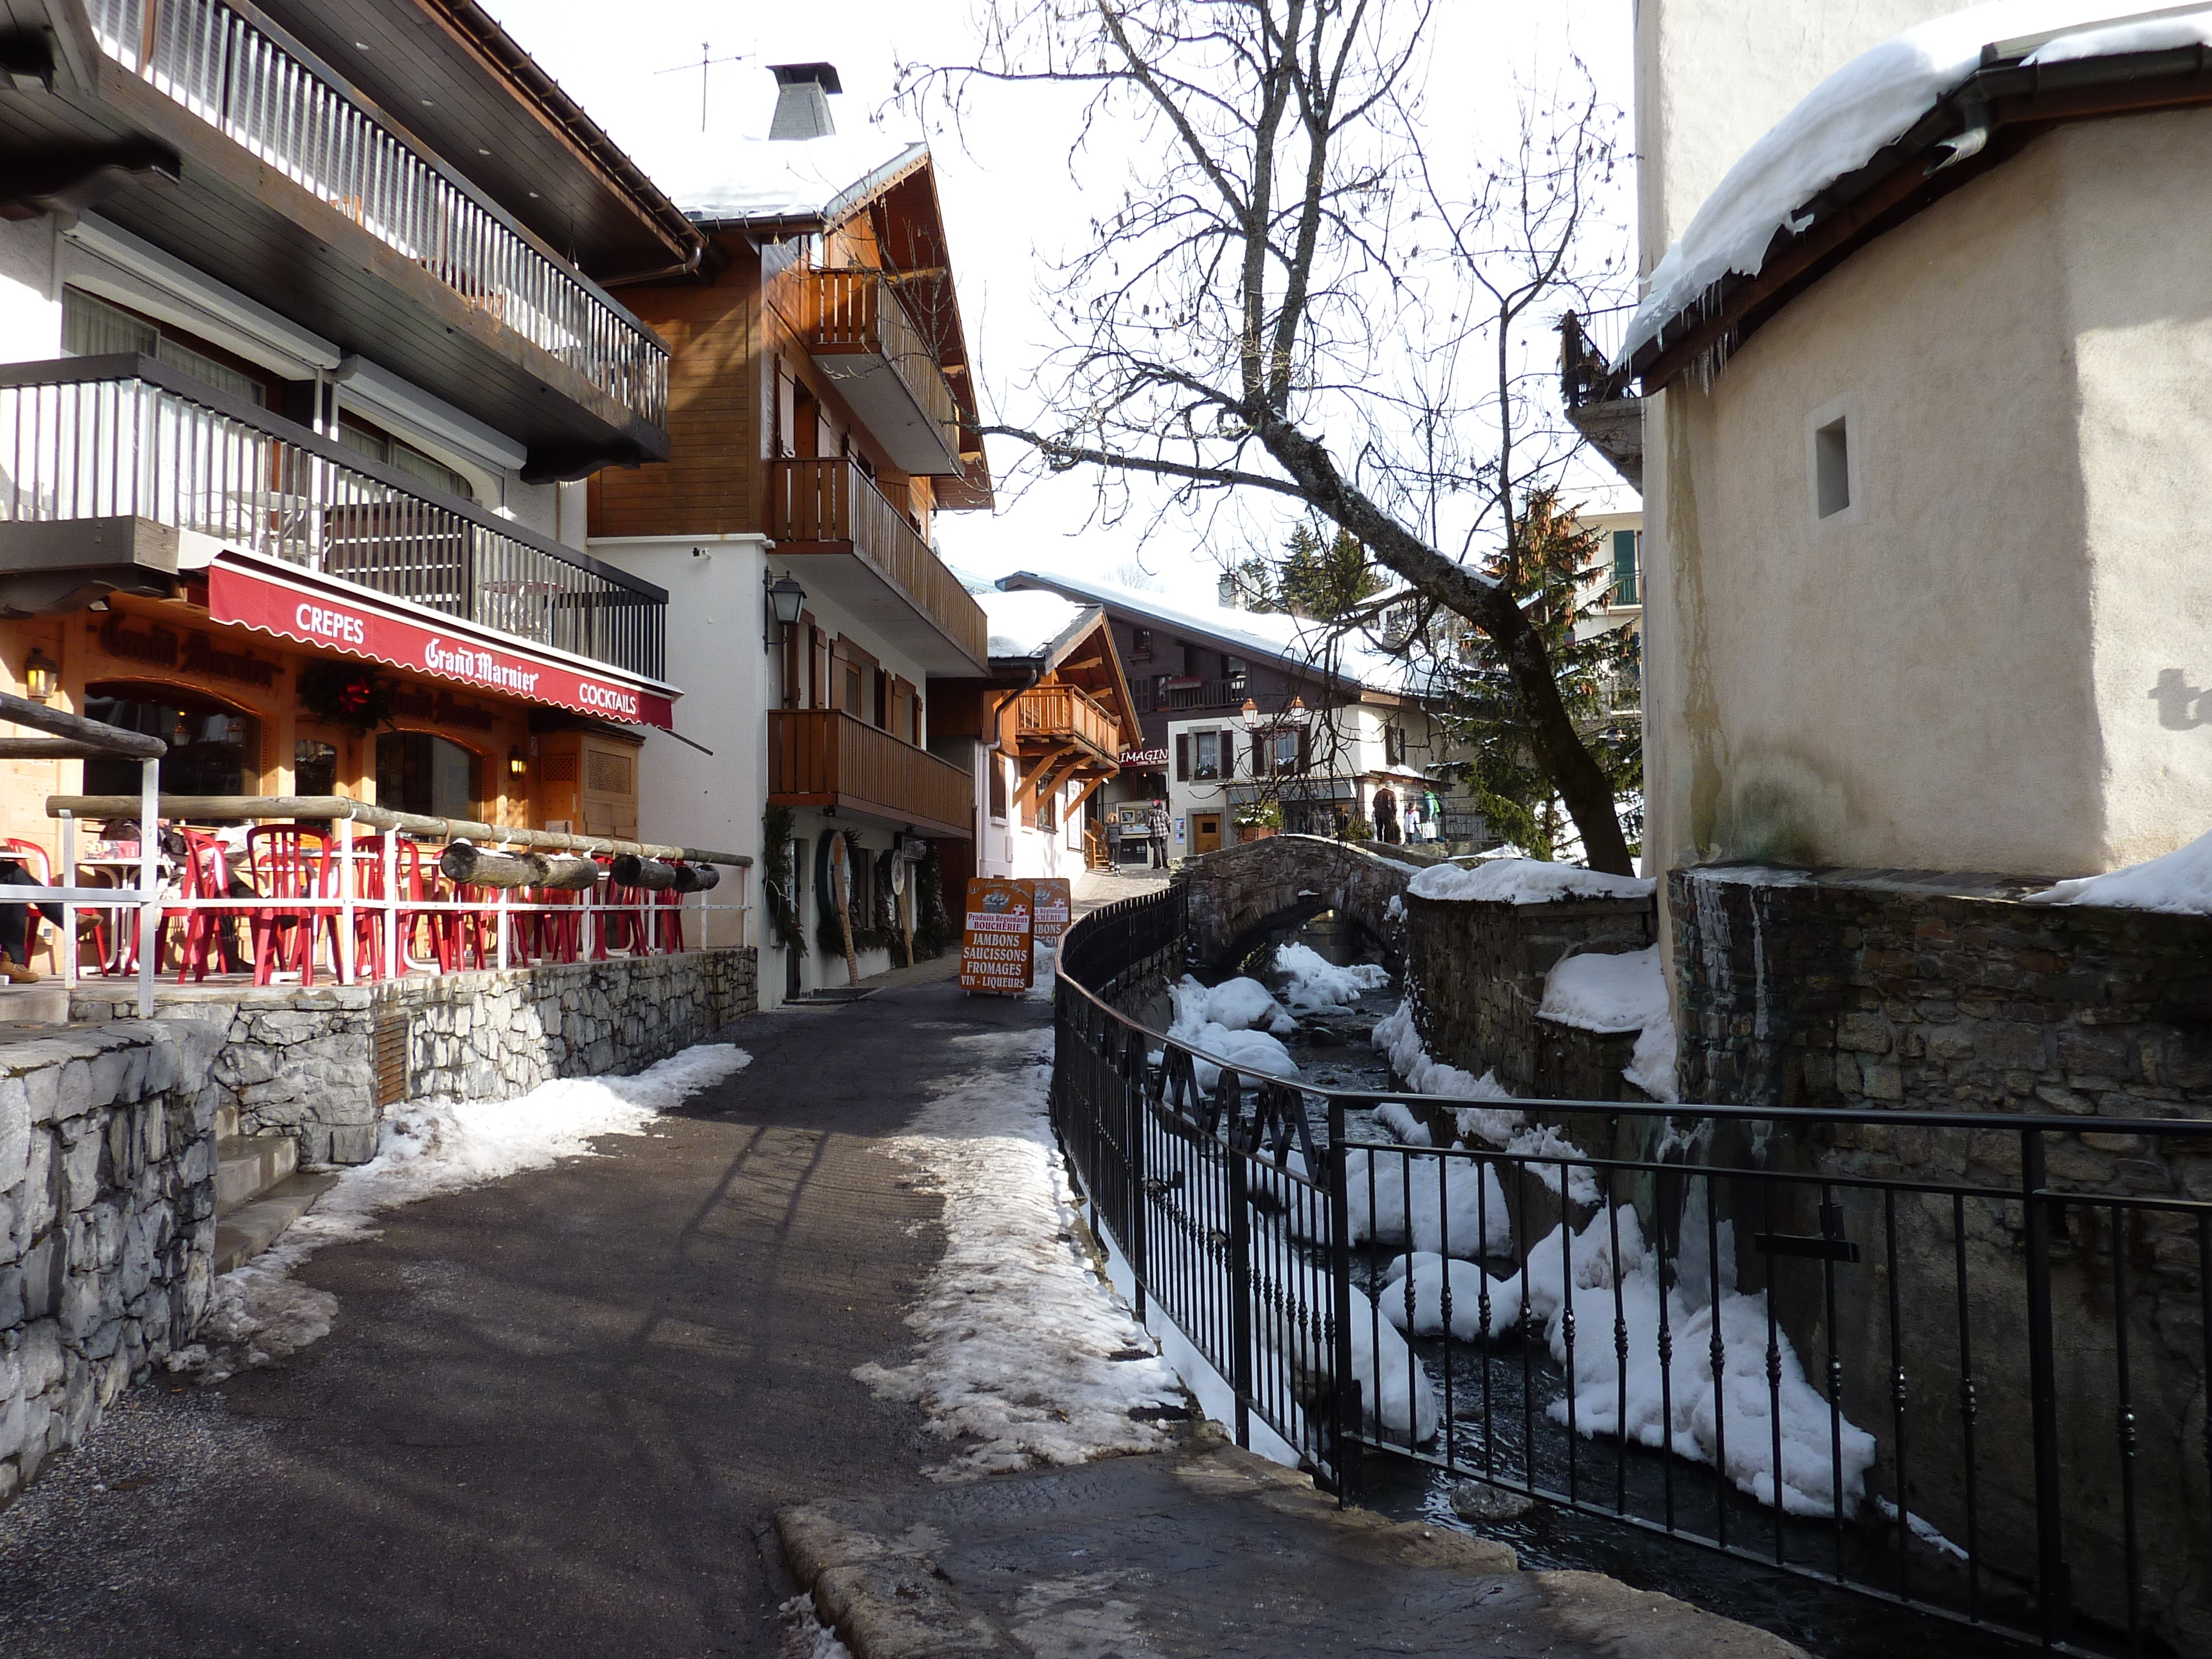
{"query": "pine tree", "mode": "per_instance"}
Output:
(1554, 574)
(1326, 583)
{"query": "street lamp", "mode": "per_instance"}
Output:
(1249, 713)
(786, 601)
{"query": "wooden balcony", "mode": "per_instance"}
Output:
(860, 334)
(823, 758)
(860, 550)
(1063, 714)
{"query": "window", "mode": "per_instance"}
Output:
(996, 767)
(1832, 467)
(1626, 544)
(363, 438)
(1141, 644)
(1206, 755)
(212, 750)
(314, 767)
(1288, 751)
(420, 772)
(92, 328)
(1234, 668)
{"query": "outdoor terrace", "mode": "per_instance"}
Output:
(859, 332)
(1068, 714)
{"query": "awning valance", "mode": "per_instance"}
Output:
(337, 618)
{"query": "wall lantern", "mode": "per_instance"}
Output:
(42, 677)
(785, 599)
(1249, 713)
(517, 765)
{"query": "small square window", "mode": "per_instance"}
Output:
(1832, 467)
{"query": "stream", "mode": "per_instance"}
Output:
(1497, 1405)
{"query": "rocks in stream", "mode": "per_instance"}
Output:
(1477, 1500)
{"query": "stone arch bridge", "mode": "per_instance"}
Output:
(1242, 896)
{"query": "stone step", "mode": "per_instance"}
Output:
(247, 1231)
(247, 1166)
(47, 1002)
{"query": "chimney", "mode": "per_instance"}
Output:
(802, 108)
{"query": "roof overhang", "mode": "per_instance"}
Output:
(1983, 122)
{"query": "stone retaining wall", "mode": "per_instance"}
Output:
(304, 1061)
(107, 1162)
(1241, 897)
(1476, 971)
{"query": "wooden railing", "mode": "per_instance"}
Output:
(825, 757)
(831, 499)
(858, 311)
(1058, 711)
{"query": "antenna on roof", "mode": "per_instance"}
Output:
(704, 63)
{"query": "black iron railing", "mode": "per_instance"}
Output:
(1966, 1353)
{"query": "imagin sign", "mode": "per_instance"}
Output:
(360, 629)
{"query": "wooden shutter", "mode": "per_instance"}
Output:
(1182, 757)
(1260, 742)
(1305, 749)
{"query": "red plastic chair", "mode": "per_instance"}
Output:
(369, 895)
(41, 869)
(291, 864)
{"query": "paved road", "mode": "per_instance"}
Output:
(555, 1413)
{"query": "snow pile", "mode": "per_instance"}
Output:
(1525, 881)
(1839, 126)
(1401, 1126)
(2179, 884)
(1433, 1277)
(2143, 34)
(1016, 1333)
(425, 1148)
(1394, 1385)
(1456, 1206)
(1576, 1271)
(805, 1636)
(1315, 985)
(1623, 992)
(1241, 1005)
(1546, 1143)
(1397, 1036)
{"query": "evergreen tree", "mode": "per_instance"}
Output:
(1554, 569)
(1326, 582)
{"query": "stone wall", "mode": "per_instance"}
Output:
(107, 1164)
(1244, 895)
(1878, 990)
(1476, 971)
(304, 1061)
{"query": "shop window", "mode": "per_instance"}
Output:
(314, 767)
(213, 749)
(363, 438)
(419, 772)
(94, 328)
(997, 769)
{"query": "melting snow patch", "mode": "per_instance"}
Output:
(258, 1314)
(1315, 985)
(805, 1636)
(1525, 881)
(1242, 1005)
(1623, 991)
(1397, 1036)
(1017, 1333)
(2179, 884)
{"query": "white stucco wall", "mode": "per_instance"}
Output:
(1957, 672)
(30, 304)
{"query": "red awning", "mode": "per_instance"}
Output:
(340, 618)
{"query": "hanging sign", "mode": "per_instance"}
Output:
(1051, 901)
(995, 939)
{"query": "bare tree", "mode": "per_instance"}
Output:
(1291, 299)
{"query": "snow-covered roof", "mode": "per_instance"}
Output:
(1029, 622)
(760, 178)
(1840, 126)
(1287, 639)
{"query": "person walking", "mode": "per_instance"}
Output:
(1113, 840)
(1386, 817)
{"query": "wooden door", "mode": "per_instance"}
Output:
(1205, 832)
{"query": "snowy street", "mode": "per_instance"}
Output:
(553, 1413)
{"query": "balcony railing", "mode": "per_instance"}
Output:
(858, 312)
(832, 500)
(1065, 711)
(122, 436)
(825, 758)
(234, 76)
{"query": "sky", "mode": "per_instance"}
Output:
(1012, 193)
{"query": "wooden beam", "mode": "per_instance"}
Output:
(100, 737)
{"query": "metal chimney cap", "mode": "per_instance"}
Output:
(824, 76)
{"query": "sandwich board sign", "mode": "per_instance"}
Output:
(995, 938)
(1053, 902)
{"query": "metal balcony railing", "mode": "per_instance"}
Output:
(1061, 711)
(236, 75)
(124, 436)
(832, 500)
(858, 311)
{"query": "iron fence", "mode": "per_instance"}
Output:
(1953, 1361)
